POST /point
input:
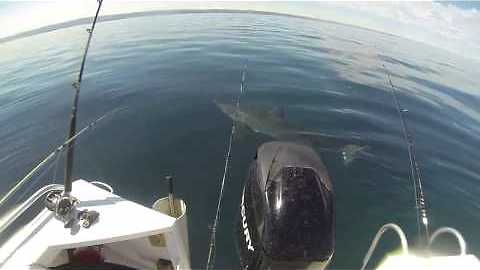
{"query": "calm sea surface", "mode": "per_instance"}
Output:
(167, 71)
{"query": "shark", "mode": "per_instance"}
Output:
(273, 123)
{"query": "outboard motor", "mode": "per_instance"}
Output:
(287, 217)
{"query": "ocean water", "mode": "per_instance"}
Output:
(166, 71)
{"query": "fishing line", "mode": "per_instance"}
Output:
(35, 181)
(57, 161)
(422, 219)
(53, 154)
(212, 246)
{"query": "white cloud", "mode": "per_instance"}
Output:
(438, 24)
(445, 26)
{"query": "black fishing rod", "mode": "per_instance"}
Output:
(73, 116)
(420, 203)
(72, 135)
(50, 156)
(212, 245)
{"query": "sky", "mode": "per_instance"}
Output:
(450, 25)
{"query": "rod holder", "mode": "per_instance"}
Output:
(171, 198)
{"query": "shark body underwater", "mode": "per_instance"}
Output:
(273, 123)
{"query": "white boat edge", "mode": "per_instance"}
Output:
(128, 233)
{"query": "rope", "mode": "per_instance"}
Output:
(422, 218)
(211, 250)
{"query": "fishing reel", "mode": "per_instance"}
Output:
(64, 207)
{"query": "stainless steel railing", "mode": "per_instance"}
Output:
(17, 211)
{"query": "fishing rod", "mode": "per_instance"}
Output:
(420, 203)
(50, 156)
(212, 245)
(73, 117)
(72, 135)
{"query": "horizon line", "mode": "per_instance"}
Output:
(123, 16)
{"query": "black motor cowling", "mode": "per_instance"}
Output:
(287, 218)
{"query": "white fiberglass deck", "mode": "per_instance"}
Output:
(123, 229)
